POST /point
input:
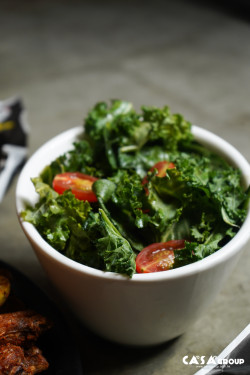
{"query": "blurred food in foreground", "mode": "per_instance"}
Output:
(19, 332)
(4, 289)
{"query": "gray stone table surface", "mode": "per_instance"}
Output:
(63, 57)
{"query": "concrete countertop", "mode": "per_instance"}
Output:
(62, 57)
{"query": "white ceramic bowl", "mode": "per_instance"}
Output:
(149, 308)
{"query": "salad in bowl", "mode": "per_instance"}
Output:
(138, 193)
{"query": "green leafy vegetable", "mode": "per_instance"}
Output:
(200, 200)
(56, 216)
(115, 250)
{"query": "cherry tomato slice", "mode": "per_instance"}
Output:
(161, 168)
(80, 184)
(158, 256)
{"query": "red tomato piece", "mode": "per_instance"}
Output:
(80, 184)
(158, 256)
(161, 168)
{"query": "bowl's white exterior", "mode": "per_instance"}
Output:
(149, 308)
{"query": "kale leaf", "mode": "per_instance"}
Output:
(71, 227)
(114, 249)
(56, 216)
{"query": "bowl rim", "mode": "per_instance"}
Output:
(202, 135)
